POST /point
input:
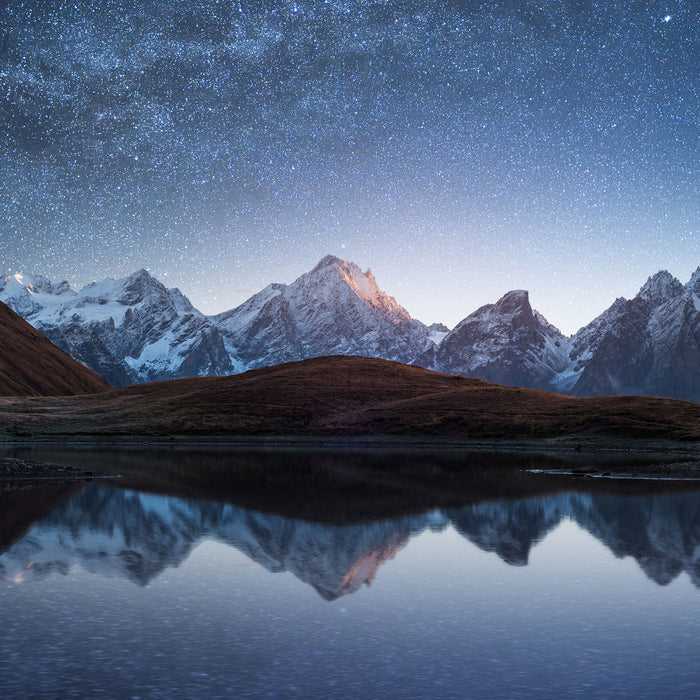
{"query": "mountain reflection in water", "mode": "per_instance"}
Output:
(137, 536)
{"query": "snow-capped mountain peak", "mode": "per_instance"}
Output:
(645, 345)
(660, 288)
(333, 278)
(18, 285)
(138, 288)
(506, 342)
(515, 297)
(27, 294)
(326, 261)
(694, 282)
(128, 330)
(335, 309)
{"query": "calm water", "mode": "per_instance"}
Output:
(114, 592)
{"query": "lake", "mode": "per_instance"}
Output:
(515, 585)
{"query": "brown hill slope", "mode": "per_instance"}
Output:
(30, 365)
(353, 397)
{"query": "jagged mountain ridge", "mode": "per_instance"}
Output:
(506, 342)
(137, 536)
(646, 345)
(336, 309)
(128, 330)
(134, 330)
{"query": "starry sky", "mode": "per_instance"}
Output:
(459, 149)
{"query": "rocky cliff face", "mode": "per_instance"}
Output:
(128, 330)
(646, 345)
(506, 342)
(335, 309)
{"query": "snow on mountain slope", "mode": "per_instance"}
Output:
(335, 309)
(693, 287)
(33, 294)
(127, 330)
(437, 331)
(506, 342)
(646, 345)
(134, 329)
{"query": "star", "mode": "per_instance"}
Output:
(522, 144)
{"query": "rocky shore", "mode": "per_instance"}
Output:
(687, 470)
(21, 473)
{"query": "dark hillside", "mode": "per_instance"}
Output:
(30, 365)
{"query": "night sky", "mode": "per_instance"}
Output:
(459, 149)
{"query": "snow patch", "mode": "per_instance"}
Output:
(437, 336)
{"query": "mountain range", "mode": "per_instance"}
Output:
(135, 330)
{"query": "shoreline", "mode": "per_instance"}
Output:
(663, 471)
(18, 474)
(323, 442)
(673, 461)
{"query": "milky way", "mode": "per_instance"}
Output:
(460, 149)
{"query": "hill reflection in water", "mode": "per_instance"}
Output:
(136, 535)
